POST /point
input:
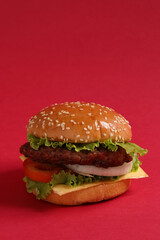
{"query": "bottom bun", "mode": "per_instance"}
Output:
(97, 193)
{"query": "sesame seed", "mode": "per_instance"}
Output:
(105, 111)
(58, 125)
(67, 128)
(88, 136)
(72, 115)
(78, 136)
(59, 113)
(82, 123)
(104, 134)
(73, 121)
(111, 134)
(81, 139)
(92, 106)
(89, 127)
(51, 112)
(86, 140)
(89, 114)
(88, 132)
(57, 121)
(61, 137)
(85, 128)
(81, 109)
(100, 113)
(65, 112)
(105, 118)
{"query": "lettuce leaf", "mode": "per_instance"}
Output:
(36, 142)
(130, 148)
(136, 163)
(42, 190)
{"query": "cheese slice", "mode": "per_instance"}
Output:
(23, 158)
(62, 189)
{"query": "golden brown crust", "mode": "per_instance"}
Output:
(79, 122)
(103, 191)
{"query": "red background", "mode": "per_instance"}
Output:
(106, 52)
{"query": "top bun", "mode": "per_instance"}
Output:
(79, 122)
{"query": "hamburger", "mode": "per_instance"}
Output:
(79, 153)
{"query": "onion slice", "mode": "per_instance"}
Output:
(110, 171)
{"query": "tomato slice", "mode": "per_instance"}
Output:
(40, 172)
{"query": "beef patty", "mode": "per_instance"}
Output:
(101, 157)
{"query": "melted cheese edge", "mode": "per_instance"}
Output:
(62, 189)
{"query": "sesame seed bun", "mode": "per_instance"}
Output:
(79, 122)
(100, 192)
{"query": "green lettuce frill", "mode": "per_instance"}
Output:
(130, 148)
